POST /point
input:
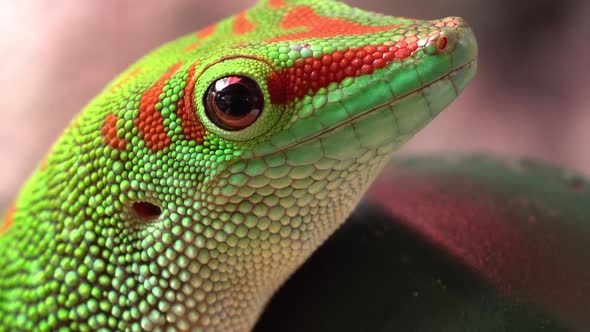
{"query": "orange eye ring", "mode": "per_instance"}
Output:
(233, 102)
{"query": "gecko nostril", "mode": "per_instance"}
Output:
(146, 210)
(442, 43)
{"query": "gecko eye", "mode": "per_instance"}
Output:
(233, 102)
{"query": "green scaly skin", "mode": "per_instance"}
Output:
(239, 210)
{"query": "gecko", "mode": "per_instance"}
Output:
(188, 190)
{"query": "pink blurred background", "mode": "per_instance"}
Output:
(530, 97)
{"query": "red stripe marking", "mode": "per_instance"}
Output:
(242, 25)
(192, 126)
(320, 26)
(206, 31)
(193, 46)
(126, 79)
(150, 122)
(276, 3)
(8, 220)
(109, 133)
(313, 74)
(202, 34)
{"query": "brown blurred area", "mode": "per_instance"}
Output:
(528, 99)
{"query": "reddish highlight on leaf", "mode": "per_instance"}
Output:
(150, 122)
(320, 26)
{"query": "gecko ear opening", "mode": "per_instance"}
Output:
(146, 210)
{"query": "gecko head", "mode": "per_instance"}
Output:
(311, 114)
(310, 120)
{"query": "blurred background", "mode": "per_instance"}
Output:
(530, 98)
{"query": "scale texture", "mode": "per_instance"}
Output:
(188, 190)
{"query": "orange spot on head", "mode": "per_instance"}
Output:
(192, 46)
(276, 3)
(320, 26)
(126, 79)
(8, 219)
(192, 126)
(109, 133)
(242, 25)
(207, 31)
(150, 122)
(202, 34)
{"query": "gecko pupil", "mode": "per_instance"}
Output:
(233, 102)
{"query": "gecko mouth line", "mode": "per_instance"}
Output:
(370, 111)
